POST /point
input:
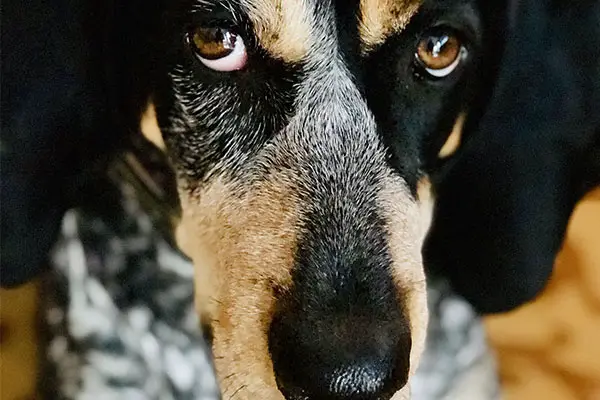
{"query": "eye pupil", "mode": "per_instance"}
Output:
(213, 43)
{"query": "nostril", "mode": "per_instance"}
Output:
(350, 383)
(316, 360)
(365, 379)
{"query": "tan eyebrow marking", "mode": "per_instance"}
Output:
(282, 27)
(381, 18)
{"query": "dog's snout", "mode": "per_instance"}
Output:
(347, 358)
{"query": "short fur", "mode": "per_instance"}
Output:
(301, 178)
(382, 18)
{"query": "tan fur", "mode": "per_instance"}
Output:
(406, 236)
(402, 394)
(282, 29)
(382, 18)
(453, 142)
(242, 246)
(426, 203)
(150, 129)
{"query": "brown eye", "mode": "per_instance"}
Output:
(213, 43)
(218, 48)
(440, 54)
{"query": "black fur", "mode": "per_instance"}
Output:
(532, 152)
(258, 99)
(415, 113)
(75, 77)
(54, 122)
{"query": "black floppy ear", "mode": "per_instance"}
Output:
(75, 79)
(54, 123)
(504, 201)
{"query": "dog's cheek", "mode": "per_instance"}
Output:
(403, 217)
(242, 242)
(196, 236)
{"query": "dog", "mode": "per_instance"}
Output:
(303, 136)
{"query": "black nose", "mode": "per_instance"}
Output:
(350, 357)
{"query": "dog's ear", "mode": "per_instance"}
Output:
(54, 120)
(63, 81)
(504, 200)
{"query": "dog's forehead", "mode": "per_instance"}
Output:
(381, 18)
(288, 28)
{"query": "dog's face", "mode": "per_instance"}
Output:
(301, 132)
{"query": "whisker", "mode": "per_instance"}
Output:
(228, 377)
(237, 391)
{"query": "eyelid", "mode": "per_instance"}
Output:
(215, 15)
(462, 30)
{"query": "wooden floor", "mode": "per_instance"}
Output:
(18, 336)
(548, 350)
